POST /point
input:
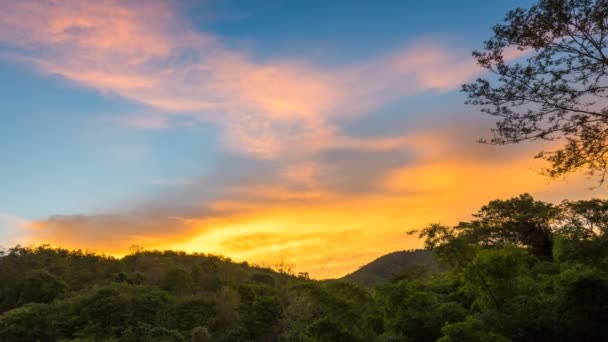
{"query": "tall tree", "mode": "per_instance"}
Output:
(559, 90)
(519, 221)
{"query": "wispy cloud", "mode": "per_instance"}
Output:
(145, 53)
(301, 187)
(310, 215)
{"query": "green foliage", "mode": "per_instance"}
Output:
(260, 308)
(200, 334)
(334, 311)
(517, 292)
(493, 284)
(403, 301)
(52, 294)
(26, 323)
(472, 329)
(39, 286)
(582, 303)
(177, 281)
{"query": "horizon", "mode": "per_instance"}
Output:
(280, 130)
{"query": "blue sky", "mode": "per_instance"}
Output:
(57, 147)
(345, 31)
(221, 125)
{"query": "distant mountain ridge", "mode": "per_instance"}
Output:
(385, 267)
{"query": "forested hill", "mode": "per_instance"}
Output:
(52, 294)
(521, 270)
(391, 265)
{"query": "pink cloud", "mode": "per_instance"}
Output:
(279, 109)
(147, 54)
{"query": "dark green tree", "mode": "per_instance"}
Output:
(40, 286)
(582, 304)
(519, 221)
(585, 219)
(177, 281)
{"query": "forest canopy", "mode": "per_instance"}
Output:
(520, 270)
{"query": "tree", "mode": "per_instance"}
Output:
(585, 219)
(559, 91)
(520, 221)
(581, 231)
(582, 304)
(177, 281)
(200, 334)
(26, 323)
(40, 286)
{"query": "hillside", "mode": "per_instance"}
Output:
(498, 285)
(387, 266)
(54, 294)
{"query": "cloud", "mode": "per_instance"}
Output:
(112, 233)
(13, 229)
(322, 215)
(145, 53)
(300, 187)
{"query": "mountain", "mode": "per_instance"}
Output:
(387, 266)
(54, 294)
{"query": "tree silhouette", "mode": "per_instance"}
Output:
(560, 89)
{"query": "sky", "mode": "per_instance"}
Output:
(312, 133)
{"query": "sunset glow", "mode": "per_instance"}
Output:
(233, 130)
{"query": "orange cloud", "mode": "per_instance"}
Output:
(323, 231)
(331, 235)
(307, 206)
